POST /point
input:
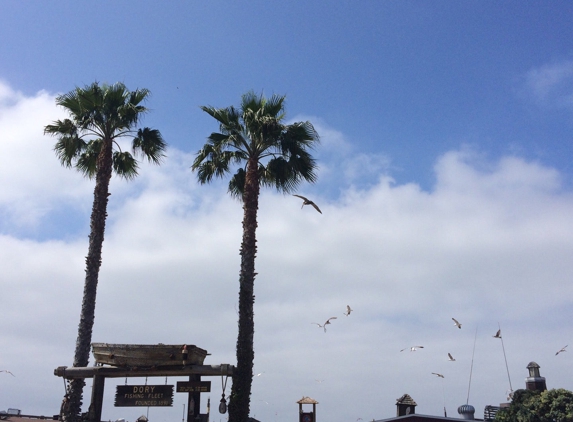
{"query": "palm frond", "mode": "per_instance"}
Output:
(274, 106)
(237, 184)
(90, 101)
(131, 110)
(72, 102)
(61, 127)
(86, 162)
(138, 96)
(304, 165)
(228, 118)
(69, 144)
(150, 144)
(299, 135)
(125, 165)
(221, 141)
(279, 175)
(217, 165)
(286, 175)
(68, 148)
(250, 100)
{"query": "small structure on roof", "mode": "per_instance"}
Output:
(405, 405)
(535, 381)
(307, 416)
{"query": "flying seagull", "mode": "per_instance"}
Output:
(8, 372)
(456, 323)
(439, 375)
(413, 348)
(348, 310)
(451, 358)
(561, 350)
(308, 202)
(325, 324)
(498, 334)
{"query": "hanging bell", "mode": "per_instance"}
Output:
(223, 405)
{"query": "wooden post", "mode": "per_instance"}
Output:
(193, 401)
(97, 398)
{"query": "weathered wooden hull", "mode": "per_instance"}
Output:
(147, 355)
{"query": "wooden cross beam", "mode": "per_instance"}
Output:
(116, 372)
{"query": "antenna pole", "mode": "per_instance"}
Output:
(472, 367)
(444, 393)
(506, 367)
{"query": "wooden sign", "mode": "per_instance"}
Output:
(143, 395)
(194, 386)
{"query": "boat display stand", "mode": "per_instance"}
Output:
(148, 395)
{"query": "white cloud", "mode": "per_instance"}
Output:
(340, 164)
(362, 166)
(552, 84)
(491, 242)
(33, 182)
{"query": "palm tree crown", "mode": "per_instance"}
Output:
(100, 114)
(256, 132)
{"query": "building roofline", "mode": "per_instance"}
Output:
(422, 417)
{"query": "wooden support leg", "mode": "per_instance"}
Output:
(97, 398)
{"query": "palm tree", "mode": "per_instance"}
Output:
(98, 117)
(267, 153)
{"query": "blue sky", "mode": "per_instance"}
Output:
(411, 79)
(445, 183)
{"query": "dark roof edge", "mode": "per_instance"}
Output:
(421, 416)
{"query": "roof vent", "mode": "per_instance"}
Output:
(466, 411)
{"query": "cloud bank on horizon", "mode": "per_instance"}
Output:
(489, 243)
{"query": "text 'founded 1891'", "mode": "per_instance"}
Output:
(143, 395)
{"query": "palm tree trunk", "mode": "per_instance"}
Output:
(239, 404)
(73, 403)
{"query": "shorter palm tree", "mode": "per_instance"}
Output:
(88, 140)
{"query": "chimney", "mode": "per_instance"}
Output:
(466, 411)
(405, 405)
(535, 381)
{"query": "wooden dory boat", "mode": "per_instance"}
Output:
(146, 355)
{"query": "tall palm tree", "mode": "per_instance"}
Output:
(98, 117)
(266, 152)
